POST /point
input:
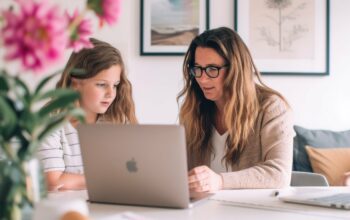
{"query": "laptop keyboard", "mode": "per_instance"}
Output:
(341, 200)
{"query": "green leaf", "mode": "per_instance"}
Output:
(26, 94)
(25, 141)
(17, 175)
(49, 125)
(58, 120)
(33, 146)
(52, 94)
(5, 185)
(4, 178)
(77, 113)
(77, 72)
(4, 87)
(44, 81)
(62, 100)
(28, 120)
(71, 111)
(12, 197)
(8, 118)
(95, 5)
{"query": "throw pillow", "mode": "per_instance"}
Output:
(317, 139)
(330, 162)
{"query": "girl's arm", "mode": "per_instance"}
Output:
(58, 180)
(51, 155)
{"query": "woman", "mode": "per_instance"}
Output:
(105, 95)
(239, 131)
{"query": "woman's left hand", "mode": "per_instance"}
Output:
(346, 179)
(203, 179)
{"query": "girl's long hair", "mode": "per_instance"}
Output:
(244, 92)
(92, 61)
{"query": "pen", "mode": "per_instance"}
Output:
(275, 193)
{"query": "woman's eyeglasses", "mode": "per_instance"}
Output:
(211, 71)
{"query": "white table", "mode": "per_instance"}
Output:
(249, 204)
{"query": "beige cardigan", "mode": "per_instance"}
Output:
(266, 162)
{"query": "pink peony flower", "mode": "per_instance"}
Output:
(36, 35)
(81, 30)
(106, 10)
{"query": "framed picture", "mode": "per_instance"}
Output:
(168, 26)
(285, 37)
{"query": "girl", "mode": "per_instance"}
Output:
(239, 131)
(105, 95)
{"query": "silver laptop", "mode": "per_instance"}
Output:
(331, 198)
(136, 164)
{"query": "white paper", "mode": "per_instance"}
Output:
(126, 216)
(266, 199)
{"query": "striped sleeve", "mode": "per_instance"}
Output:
(50, 152)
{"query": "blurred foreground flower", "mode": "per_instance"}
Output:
(80, 33)
(36, 34)
(107, 10)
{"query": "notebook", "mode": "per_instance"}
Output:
(326, 198)
(136, 165)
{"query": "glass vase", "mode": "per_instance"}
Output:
(21, 185)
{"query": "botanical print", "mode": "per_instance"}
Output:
(282, 29)
(174, 22)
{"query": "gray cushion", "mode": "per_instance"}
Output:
(315, 138)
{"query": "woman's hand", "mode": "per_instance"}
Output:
(346, 179)
(203, 179)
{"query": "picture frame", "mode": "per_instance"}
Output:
(288, 37)
(168, 27)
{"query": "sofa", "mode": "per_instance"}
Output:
(322, 151)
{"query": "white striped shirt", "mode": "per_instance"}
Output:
(60, 151)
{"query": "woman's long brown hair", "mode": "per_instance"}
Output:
(92, 61)
(244, 92)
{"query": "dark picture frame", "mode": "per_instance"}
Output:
(288, 37)
(168, 27)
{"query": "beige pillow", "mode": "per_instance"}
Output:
(331, 162)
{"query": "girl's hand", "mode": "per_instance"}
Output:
(203, 179)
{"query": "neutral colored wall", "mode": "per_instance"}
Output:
(318, 102)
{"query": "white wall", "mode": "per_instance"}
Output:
(318, 102)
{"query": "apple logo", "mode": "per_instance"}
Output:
(131, 165)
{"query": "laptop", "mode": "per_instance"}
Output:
(136, 165)
(331, 198)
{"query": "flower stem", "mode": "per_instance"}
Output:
(8, 150)
(77, 20)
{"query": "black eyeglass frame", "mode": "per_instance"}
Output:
(206, 70)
